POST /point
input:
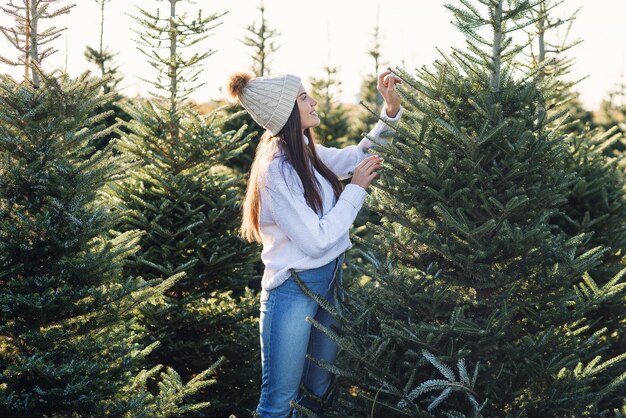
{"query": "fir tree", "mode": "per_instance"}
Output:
(370, 98)
(187, 202)
(66, 337)
(28, 37)
(596, 205)
(68, 340)
(261, 39)
(103, 58)
(477, 305)
(334, 128)
(547, 55)
(612, 113)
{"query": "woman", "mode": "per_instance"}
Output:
(296, 207)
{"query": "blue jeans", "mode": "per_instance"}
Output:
(286, 339)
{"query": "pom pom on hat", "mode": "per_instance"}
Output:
(269, 100)
(237, 82)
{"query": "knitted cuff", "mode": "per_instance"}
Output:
(379, 129)
(354, 194)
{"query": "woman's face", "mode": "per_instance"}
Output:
(306, 105)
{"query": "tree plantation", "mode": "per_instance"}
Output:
(487, 272)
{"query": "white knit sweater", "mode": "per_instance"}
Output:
(293, 234)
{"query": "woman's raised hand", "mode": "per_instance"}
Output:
(387, 88)
(365, 171)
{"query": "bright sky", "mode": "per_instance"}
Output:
(321, 32)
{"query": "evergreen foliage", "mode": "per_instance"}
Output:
(261, 39)
(62, 294)
(187, 202)
(234, 118)
(68, 340)
(613, 114)
(596, 205)
(547, 55)
(103, 58)
(468, 263)
(334, 128)
(27, 35)
(370, 98)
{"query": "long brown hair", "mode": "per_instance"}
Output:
(304, 160)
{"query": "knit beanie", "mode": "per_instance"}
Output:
(269, 100)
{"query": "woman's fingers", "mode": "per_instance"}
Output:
(371, 169)
(365, 171)
(388, 80)
(381, 77)
(369, 162)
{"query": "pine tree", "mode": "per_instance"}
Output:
(370, 98)
(596, 203)
(68, 339)
(477, 304)
(547, 55)
(261, 39)
(28, 37)
(371, 103)
(612, 114)
(187, 202)
(103, 58)
(65, 332)
(334, 128)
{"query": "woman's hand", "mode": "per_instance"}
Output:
(387, 88)
(365, 171)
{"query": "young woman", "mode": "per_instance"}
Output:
(296, 207)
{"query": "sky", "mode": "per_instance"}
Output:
(317, 33)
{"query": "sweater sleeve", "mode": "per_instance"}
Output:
(343, 161)
(310, 233)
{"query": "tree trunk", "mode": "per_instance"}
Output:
(34, 52)
(496, 56)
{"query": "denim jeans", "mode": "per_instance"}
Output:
(286, 339)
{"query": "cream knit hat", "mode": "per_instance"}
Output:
(269, 100)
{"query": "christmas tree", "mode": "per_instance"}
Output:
(187, 202)
(68, 340)
(369, 96)
(65, 336)
(371, 103)
(596, 205)
(261, 39)
(547, 54)
(476, 303)
(612, 114)
(103, 58)
(334, 128)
